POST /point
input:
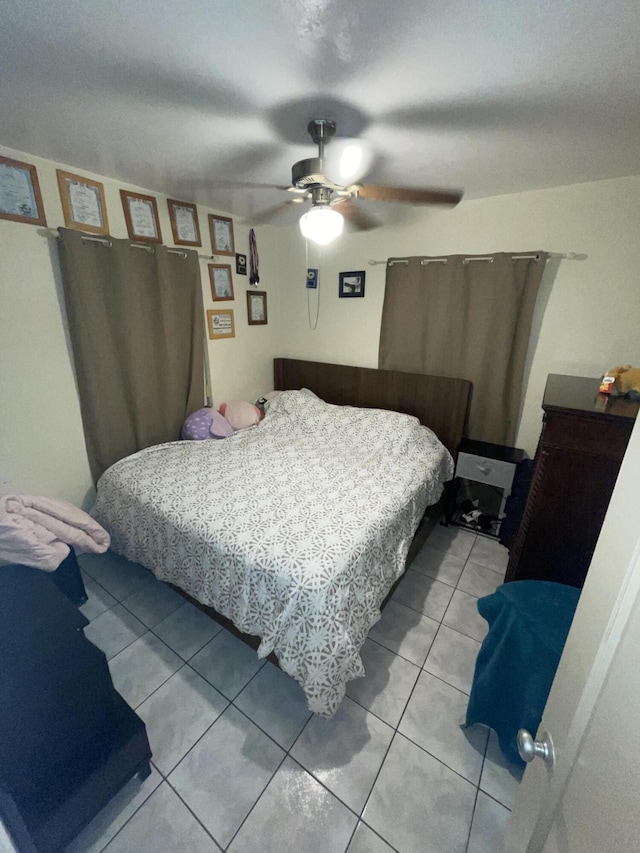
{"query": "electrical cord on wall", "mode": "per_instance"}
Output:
(313, 326)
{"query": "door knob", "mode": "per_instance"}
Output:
(530, 748)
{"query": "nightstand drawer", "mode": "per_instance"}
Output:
(482, 469)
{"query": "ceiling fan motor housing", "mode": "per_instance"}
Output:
(306, 174)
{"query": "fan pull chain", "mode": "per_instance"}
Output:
(254, 273)
(313, 326)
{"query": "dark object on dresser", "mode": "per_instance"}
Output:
(584, 437)
(69, 741)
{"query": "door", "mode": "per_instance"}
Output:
(589, 800)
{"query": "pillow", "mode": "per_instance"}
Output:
(310, 393)
(261, 402)
(240, 414)
(205, 423)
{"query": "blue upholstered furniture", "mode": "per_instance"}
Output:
(528, 626)
(68, 741)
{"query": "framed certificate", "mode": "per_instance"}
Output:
(20, 198)
(221, 282)
(141, 215)
(221, 228)
(220, 324)
(257, 307)
(184, 223)
(83, 203)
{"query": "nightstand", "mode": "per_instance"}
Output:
(493, 467)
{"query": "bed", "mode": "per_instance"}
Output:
(294, 530)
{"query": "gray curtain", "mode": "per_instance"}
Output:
(136, 326)
(465, 319)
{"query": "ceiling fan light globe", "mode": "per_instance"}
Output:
(321, 224)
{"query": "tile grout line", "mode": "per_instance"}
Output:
(117, 832)
(473, 814)
(397, 654)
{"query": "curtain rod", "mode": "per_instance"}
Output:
(107, 242)
(569, 256)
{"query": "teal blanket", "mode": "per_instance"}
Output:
(528, 626)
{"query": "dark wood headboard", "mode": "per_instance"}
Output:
(439, 403)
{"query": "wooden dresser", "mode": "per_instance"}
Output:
(584, 437)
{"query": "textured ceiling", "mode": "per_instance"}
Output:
(190, 97)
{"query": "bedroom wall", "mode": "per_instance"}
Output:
(41, 440)
(587, 313)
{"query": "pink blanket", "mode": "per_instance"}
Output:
(37, 531)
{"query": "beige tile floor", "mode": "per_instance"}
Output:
(241, 765)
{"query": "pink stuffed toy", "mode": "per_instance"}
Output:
(240, 414)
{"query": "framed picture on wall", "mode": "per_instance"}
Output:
(221, 282)
(351, 284)
(220, 324)
(83, 203)
(141, 216)
(257, 307)
(221, 228)
(20, 198)
(241, 264)
(184, 223)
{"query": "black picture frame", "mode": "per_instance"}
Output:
(241, 264)
(351, 284)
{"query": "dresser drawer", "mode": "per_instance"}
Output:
(482, 469)
(587, 434)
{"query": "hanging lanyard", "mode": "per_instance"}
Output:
(254, 276)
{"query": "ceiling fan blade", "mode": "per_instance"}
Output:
(271, 212)
(355, 215)
(408, 195)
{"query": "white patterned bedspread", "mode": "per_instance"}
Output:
(295, 529)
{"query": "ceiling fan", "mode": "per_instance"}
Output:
(328, 182)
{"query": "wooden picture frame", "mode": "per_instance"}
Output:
(220, 324)
(141, 216)
(184, 223)
(257, 307)
(83, 203)
(221, 228)
(221, 282)
(351, 284)
(20, 198)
